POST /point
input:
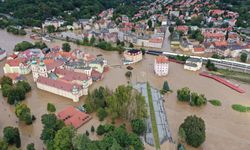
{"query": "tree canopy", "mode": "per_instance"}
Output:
(22, 112)
(138, 126)
(12, 136)
(194, 130)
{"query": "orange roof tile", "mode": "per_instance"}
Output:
(161, 59)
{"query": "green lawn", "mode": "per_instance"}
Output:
(240, 108)
(229, 74)
(153, 119)
(215, 102)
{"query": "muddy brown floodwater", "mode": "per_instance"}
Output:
(226, 129)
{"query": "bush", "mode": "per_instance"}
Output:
(102, 114)
(66, 47)
(240, 108)
(197, 100)
(87, 133)
(16, 94)
(23, 46)
(11, 136)
(31, 146)
(6, 89)
(92, 129)
(215, 102)
(51, 107)
(138, 126)
(100, 130)
(183, 94)
(22, 112)
(128, 74)
(194, 129)
(6, 80)
(165, 88)
(24, 85)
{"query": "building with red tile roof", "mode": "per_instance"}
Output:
(183, 29)
(74, 117)
(61, 87)
(18, 65)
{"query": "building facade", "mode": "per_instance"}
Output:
(161, 66)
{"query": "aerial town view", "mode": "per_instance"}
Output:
(124, 74)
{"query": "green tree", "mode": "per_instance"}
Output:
(135, 142)
(92, 40)
(166, 86)
(150, 23)
(184, 94)
(31, 146)
(182, 135)
(210, 66)
(66, 47)
(194, 129)
(85, 41)
(40, 45)
(51, 108)
(243, 57)
(11, 136)
(24, 85)
(22, 112)
(50, 126)
(6, 80)
(131, 45)
(100, 130)
(3, 144)
(138, 126)
(197, 100)
(23, 46)
(126, 103)
(63, 138)
(171, 29)
(81, 142)
(92, 129)
(16, 94)
(102, 114)
(87, 133)
(128, 74)
(6, 89)
(51, 29)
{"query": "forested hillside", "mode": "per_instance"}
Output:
(33, 12)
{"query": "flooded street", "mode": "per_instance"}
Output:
(226, 129)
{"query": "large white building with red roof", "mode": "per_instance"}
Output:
(67, 74)
(53, 78)
(161, 66)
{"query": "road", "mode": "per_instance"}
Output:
(166, 42)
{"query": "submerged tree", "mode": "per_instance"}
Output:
(194, 131)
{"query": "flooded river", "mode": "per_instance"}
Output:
(225, 128)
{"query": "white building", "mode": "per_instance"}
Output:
(161, 66)
(193, 64)
(132, 56)
(53, 22)
(63, 82)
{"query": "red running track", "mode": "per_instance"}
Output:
(223, 81)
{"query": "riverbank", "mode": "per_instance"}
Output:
(226, 129)
(229, 74)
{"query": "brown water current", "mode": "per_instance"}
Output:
(226, 129)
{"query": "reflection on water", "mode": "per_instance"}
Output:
(226, 129)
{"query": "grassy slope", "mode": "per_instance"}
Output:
(153, 119)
